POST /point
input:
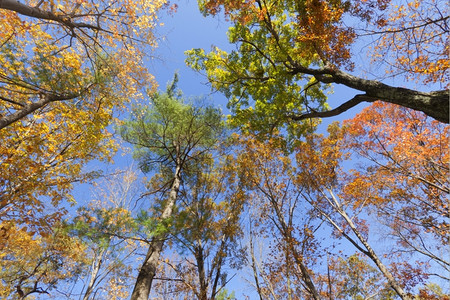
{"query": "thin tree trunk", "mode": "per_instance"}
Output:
(369, 251)
(255, 271)
(94, 273)
(147, 272)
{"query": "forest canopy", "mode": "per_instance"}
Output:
(289, 52)
(260, 204)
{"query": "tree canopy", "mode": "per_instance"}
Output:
(66, 68)
(290, 52)
(266, 206)
(172, 138)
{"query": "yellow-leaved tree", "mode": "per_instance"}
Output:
(65, 68)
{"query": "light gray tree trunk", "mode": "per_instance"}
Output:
(95, 268)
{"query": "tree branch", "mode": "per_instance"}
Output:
(334, 112)
(36, 12)
(29, 108)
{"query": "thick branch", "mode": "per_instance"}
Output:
(434, 104)
(29, 108)
(35, 12)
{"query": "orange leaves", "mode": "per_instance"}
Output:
(241, 11)
(320, 26)
(403, 142)
(404, 175)
(412, 40)
(316, 26)
(411, 144)
(318, 159)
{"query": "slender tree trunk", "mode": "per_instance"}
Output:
(255, 271)
(369, 251)
(147, 272)
(374, 257)
(94, 273)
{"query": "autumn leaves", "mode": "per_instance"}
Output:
(219, 189)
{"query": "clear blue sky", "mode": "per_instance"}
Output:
(184, 30)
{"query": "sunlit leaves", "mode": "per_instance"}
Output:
(289, 52)
(408, 163)
(411, 37)
(65, 68)
(34, 264)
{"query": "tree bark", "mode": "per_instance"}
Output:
(95, 268)
(36, 12)
(434, 104)
(31, 107)
(147, 272)
(199, 257)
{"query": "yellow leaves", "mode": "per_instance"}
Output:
(73, 61)
(43, 154)
(35, 259)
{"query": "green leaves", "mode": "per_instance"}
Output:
(170, 131)
(258, 78)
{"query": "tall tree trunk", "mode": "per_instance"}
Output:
(147, 272)
(203, 294)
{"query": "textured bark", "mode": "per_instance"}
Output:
(434, 104)
(147, 272)
(36, 12)
(30, 108)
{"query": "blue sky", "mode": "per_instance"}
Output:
(184, 30)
